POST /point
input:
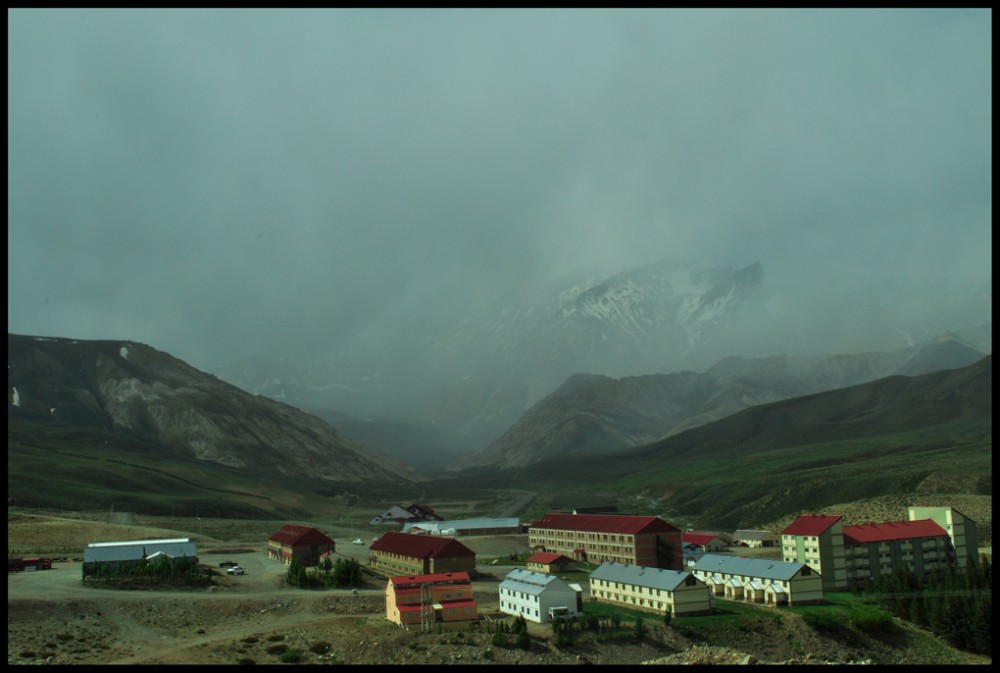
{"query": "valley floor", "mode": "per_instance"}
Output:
(52, 617)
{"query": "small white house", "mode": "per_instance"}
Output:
(537, 596)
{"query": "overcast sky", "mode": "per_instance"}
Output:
(213, 182)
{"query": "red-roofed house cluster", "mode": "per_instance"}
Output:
(931, 539)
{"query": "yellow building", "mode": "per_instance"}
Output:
(656, 590)
(427, 599)
(759, 580)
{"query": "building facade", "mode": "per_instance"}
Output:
(932, 539)
(961, 530)
(423, 600)
(818, 541)
(100, 558)
(537, 596)
(656, 590)
(755, 538)
(304, 544)
(759, 580)
(407, 554)
(617, 538)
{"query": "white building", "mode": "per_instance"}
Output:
(535, 595)
(455, 527)
(135, 553)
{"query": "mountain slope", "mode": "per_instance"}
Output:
(113, 393)
(593, 414)
(895, 435)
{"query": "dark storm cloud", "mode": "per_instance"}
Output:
(216, 182)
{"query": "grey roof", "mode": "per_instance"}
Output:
(750, 567)
(463, 524)
(529, 582)
(641, 576)
(137, 549)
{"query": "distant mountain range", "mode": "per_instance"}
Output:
(599, 414)
(469, 379)
(472, 377)
(99, 423)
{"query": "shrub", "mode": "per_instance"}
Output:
(871, 620)
(321, 647)
(826, 622)
(280, 648)
(291, 656)
(246, 660)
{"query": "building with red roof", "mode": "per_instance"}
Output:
(707, 542)
(295, 542)
(550, 562)
(428, 599)
(818, 541)
(921, 544)
(616, 538)
(409, 554)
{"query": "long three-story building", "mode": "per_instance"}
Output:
(615, 538)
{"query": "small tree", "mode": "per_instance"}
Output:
(296, 575)
(346, 572)
(667, 617)
(640, 628)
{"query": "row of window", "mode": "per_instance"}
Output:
(574, 535)
(517, 608)
(618, 598)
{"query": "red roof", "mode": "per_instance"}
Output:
(700, 539)
(895, 530)
(421, 546)
(547, 557)
(425, 512)
(404, 580)
(605, 523)
(295, 534)
(811, 524)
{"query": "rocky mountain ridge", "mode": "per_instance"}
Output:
(131, 390)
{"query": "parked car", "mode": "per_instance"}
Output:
(228, 564)
(358, 540)
(236, 570)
